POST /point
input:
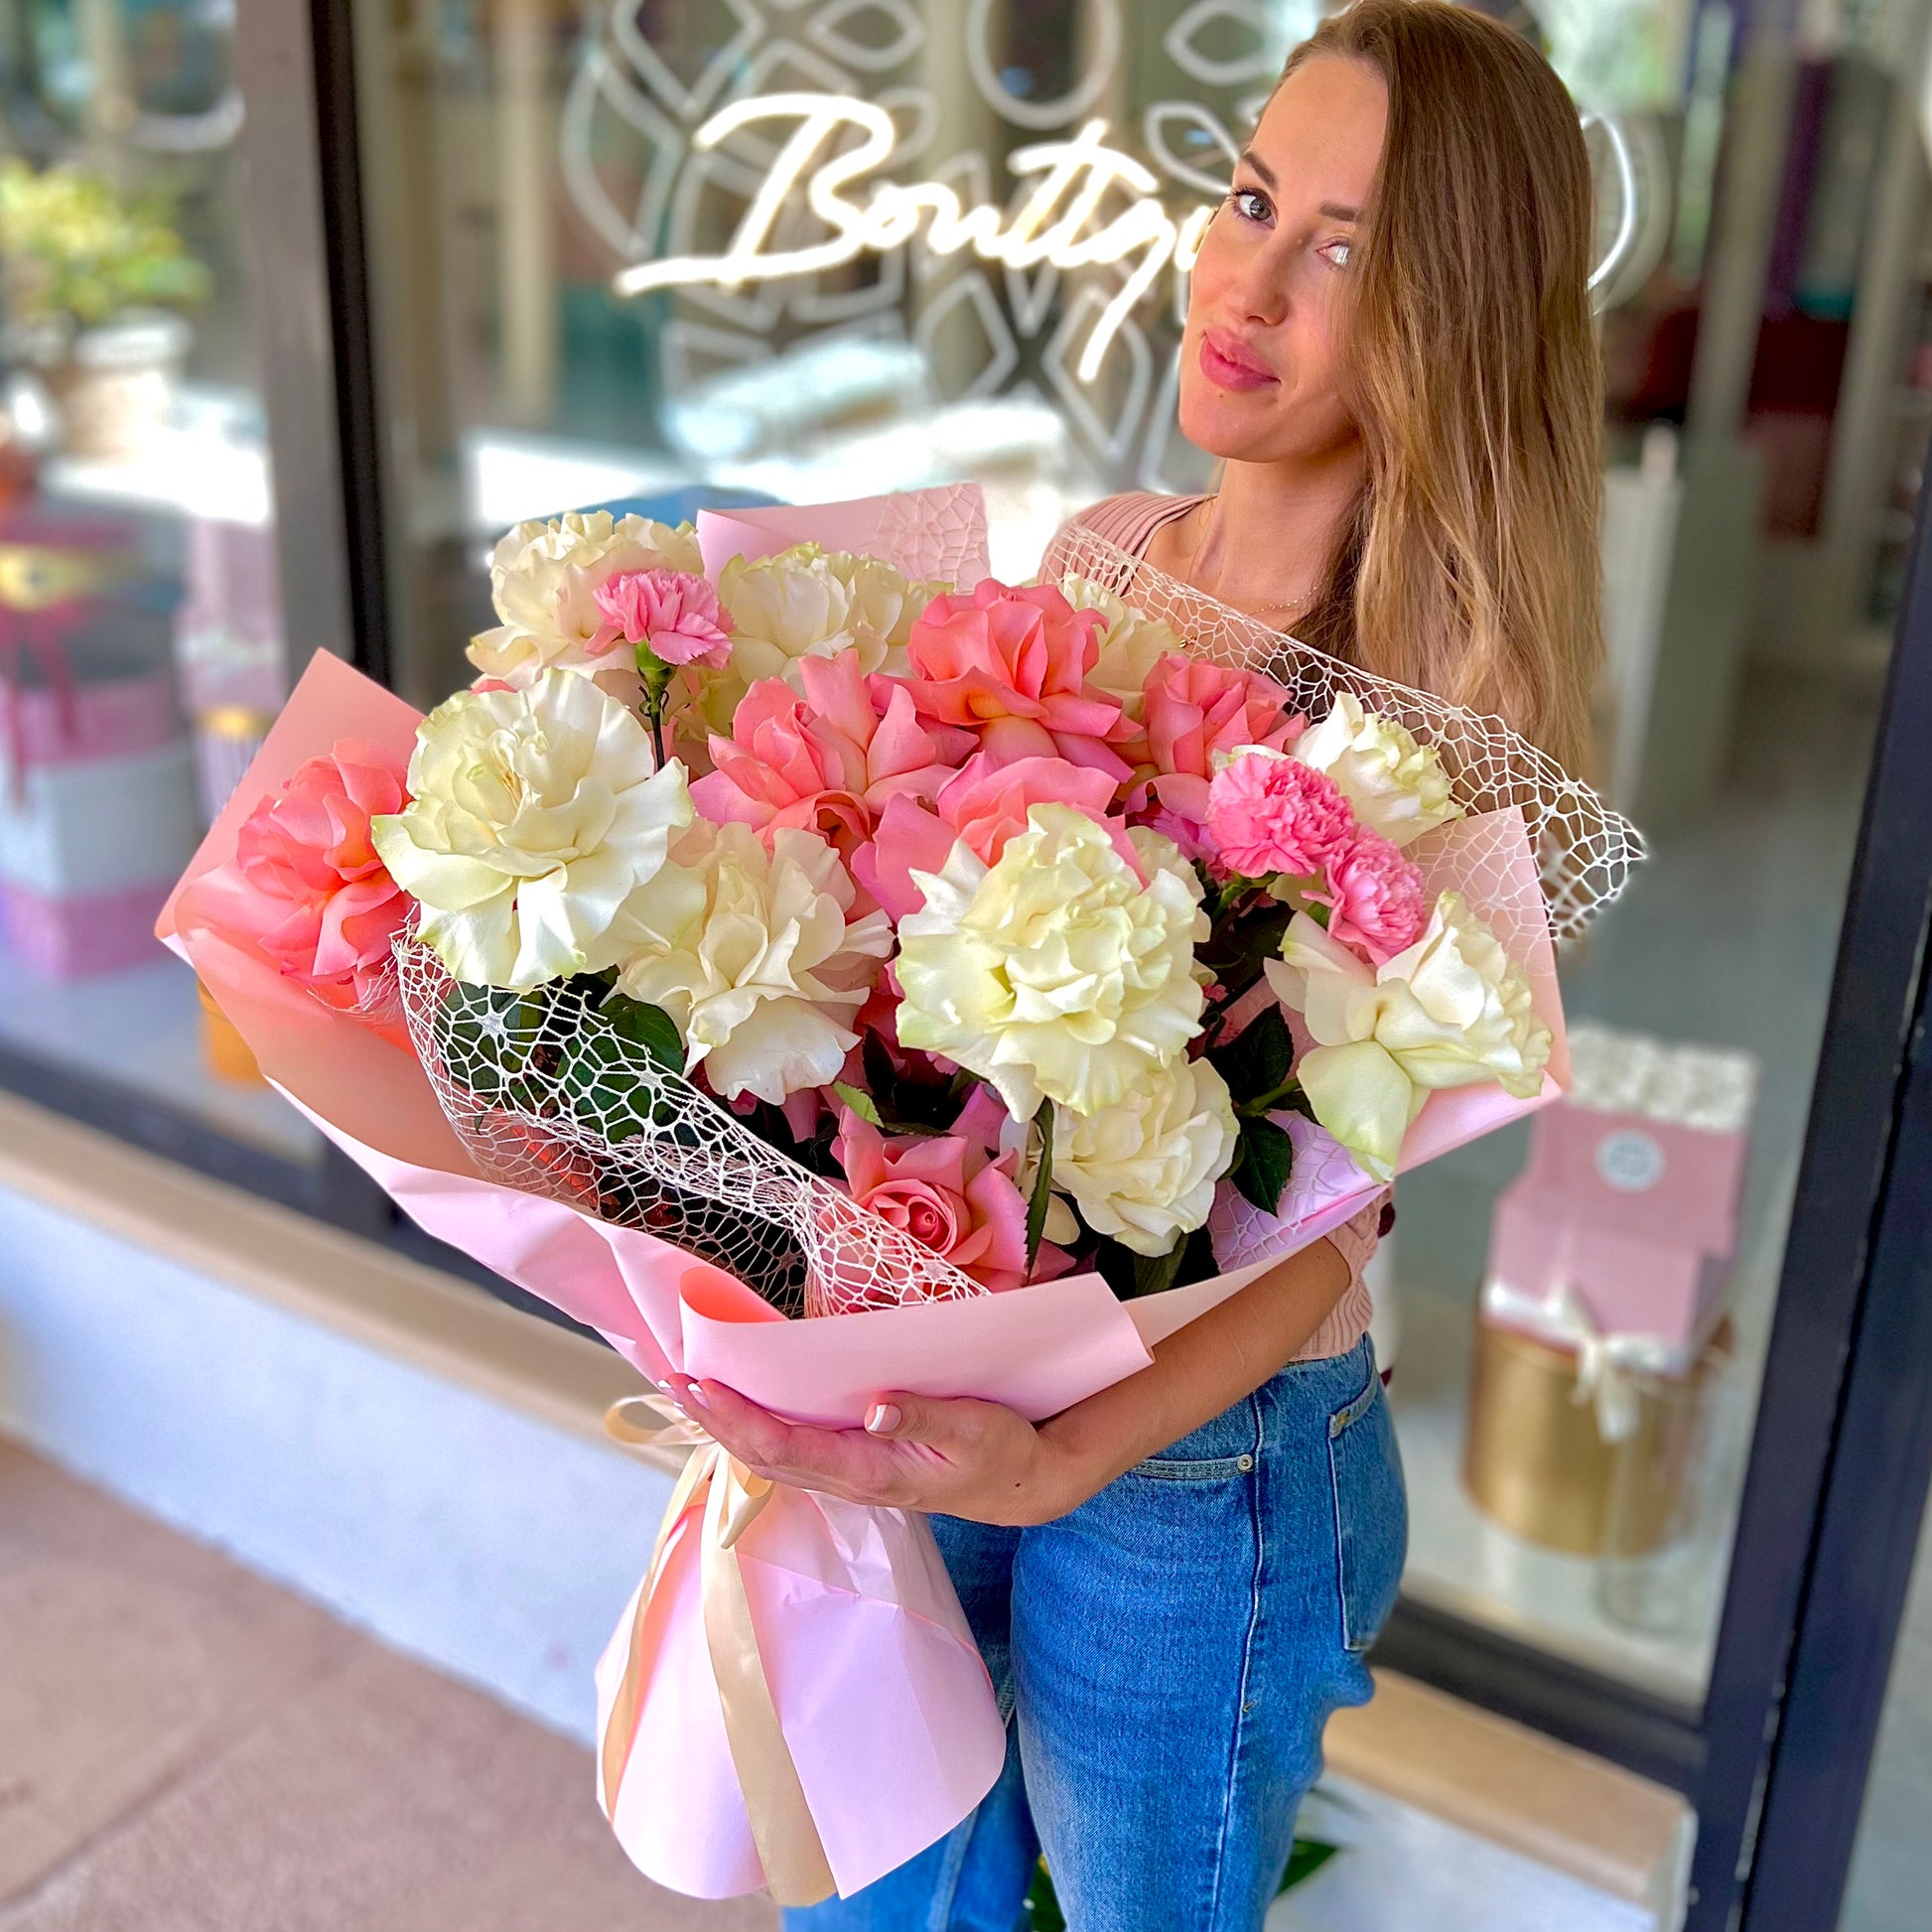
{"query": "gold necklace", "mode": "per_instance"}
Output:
(1290, 610)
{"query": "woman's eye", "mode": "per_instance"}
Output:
(1336, 253)
(1250, 203)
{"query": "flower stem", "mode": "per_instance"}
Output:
(1042, 1193)
(1265, 1103)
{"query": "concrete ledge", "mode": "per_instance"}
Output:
(357, 1289)
(426, 1463)
(1504, 1782)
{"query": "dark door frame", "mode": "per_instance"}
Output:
(1836, 1492)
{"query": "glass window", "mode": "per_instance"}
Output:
(1576, 1310)
(141, 646)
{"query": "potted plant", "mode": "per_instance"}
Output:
(93, 280)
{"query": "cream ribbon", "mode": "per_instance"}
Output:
(796, 1872)
(1607, 1365)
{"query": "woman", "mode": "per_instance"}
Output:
(1389, 342)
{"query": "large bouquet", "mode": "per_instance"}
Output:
(996, 977)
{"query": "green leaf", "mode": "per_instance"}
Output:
(648, 1027)
(1263, 1162)
(1257, 1060)
(1042, 1193)
(1308, 1858)
(1042, 1909)
(496, 1038)
(881, 1076)
(858, 1100)
(1130, 1274)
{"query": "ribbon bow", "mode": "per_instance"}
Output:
(789, 1849)
(1607, 1365)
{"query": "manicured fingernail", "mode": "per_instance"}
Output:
(881, 1419)
(696, 1395)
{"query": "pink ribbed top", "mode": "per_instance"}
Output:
(1130, 521)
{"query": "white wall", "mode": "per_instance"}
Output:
(453, 1527)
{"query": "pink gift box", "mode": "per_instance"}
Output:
(88, 827)
(1636, 1217)
(75, 937)
(93, 719)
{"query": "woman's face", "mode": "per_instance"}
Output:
(1262, 358)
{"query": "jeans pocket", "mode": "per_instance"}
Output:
(1372, 1512)
(1223, 1445)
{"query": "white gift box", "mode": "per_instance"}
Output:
(98, 825)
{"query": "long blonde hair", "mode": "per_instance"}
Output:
(1472, 567)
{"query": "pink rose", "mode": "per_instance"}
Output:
(985, 804)
(944, 1191)
(321, 904)
(1374, 895)
(1013, 663)
(1190, 712)
(827, 761)
(674, 612)
(1276, 814)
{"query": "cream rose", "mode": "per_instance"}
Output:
(886, 603)
(543, 580)
(1130, 647)
(537, 833)
(1453, 1011)
(1397, 786)
(1056, 971)
(1143, 1171)
(765, 970)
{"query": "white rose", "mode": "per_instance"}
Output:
(1056, 972)
(536, 834)
(543, 580)
(768, 966)
(805, 601)
(1397, 786)
(1143, 1171)
(1454, 1011)
(1130, 647)
(886, 603)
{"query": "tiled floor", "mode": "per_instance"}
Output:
(186, 1748)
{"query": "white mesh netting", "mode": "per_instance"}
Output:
(550, 1097)
(1585, 851)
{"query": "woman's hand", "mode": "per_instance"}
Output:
(975, 1460)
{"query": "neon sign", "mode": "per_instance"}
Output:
(1049, 227)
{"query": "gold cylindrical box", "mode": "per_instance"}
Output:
(1535, 1461)
(225, 1053)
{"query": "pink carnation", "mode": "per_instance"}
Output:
(675, 611)
(1277, 814)
(1193, 711)
(318, 902)
(827, 761)
(944, 1191)
(1374, 895)
(985, 803)
(1013, 663)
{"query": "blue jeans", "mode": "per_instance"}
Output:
(1168, 1654)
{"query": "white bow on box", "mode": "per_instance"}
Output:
(1607, 1365)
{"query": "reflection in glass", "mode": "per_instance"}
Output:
(141, 646)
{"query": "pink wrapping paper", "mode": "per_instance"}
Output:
(868, 1658)
(934, 536)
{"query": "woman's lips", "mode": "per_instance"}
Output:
(1228, 365)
